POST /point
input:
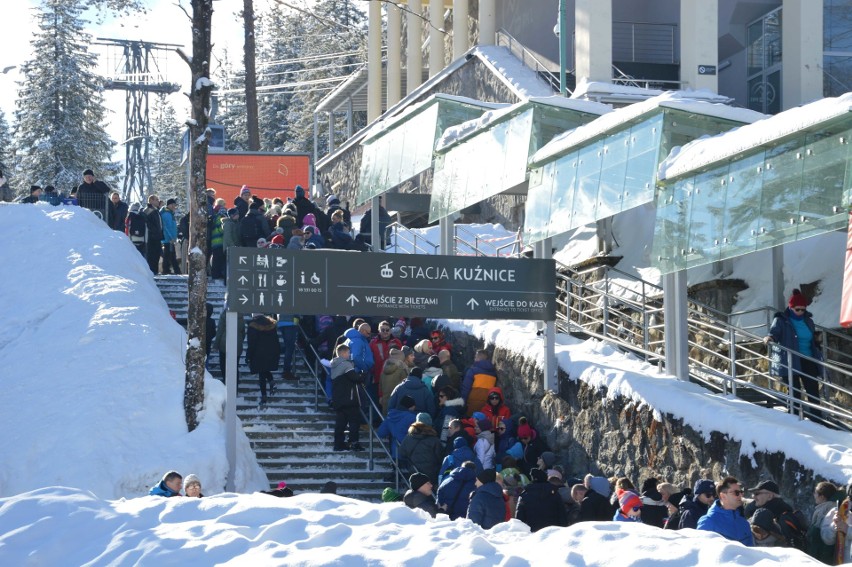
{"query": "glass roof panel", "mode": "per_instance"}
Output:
(494, 158)
(788, 190)
(404, 148)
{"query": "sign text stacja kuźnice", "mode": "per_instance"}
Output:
(311, 282)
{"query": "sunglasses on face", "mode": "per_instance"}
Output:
(799, 309)
(637, 508)
(494, 398)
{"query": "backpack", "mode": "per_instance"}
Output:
(794, 527)
(136, 227)
(250, 231)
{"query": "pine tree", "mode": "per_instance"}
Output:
(168, 176)
(339, 27)
(60, 114)
(6, 151)
(231, 112)
(281, 36)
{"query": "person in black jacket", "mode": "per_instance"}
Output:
(487, 507)
(154, 226)
(540, 505)
(117, 214)
(92, 193)
(595, 506)
(654, 510)
(692, 509)
(263, 351)
(345, 380)
(420, 494)
(35, 195)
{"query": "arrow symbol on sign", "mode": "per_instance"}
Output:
(243, 260)
(352, 300)
(244, 299)
(473, 303)
(243, 280)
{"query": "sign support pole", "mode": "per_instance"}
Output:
(675, 313)
(543, 249)
(446, 225)
(375, 231)
(231, 355)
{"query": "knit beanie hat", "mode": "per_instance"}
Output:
(549, 459)
(629, 500)
(484, 425)
(424, 418)
(390, 495)
(417, 480)
(797, 299)
(407, 402)
(486, 476)
(524, 430)
(189, 480)
(704, 486)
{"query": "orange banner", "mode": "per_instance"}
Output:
(846, 300)
(267, 175)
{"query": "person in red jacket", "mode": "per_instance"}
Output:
(439, 343)
(381, 345)
(495, 409)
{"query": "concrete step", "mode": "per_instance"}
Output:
(291, 435)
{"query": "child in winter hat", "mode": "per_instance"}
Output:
(629, 507)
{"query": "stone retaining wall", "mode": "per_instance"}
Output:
(616, 437)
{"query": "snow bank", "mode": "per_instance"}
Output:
(93, 371)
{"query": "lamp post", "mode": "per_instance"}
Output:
(563, 46)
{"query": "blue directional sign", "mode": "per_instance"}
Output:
(310, 282)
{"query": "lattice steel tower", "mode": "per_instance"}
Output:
(139, 68)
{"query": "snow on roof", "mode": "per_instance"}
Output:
(457, 133)
(523, 80)
(705, 151)
(696, 102)
(597, 89)
(386, 124)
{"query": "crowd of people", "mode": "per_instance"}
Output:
(467, 454)
(251, 221)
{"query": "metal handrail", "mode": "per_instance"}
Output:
(400, 234)
(838, 356)
(722, 357)
(368, 416)
(516, 244)
(505, 39)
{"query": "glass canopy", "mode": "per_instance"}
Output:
(613, 167)
(778, 191)
(403, 147)
(492, 158)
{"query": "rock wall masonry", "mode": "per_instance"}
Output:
(617, 437)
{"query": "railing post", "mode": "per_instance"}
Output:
(732, 356)
(790, 392)
(606, 305)
(646, 333)
(371, 462)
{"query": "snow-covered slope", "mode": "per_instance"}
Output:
(91, 366)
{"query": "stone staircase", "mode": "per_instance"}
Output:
(292, 434)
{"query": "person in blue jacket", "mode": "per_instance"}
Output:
(794, 330)
(397, 422)
(461, 453)
(170, 234)
(487, 506)
(169, 486)
(725, 517)
(454, 491)
(358, 340)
